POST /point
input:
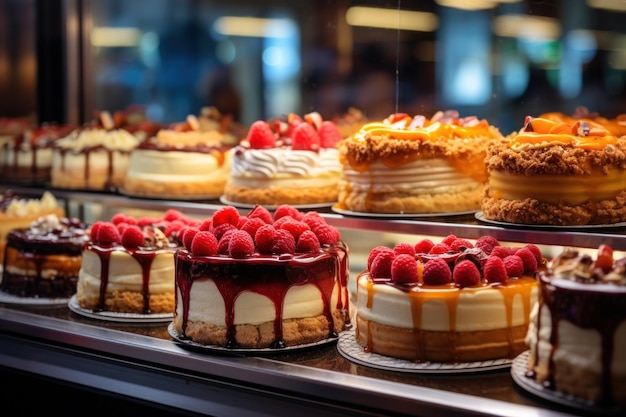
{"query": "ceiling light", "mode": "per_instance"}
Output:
(254, 27)
(468, 4)
(115, 37)
(391, 19)
(528, 27)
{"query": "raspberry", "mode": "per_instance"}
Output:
(535, 251)
(405, 248)
(424, 246)
(374, 253)
(173, 227)
(147, 221)
(93, 230)
(260, 212)
(458, 244)
(439, 248)
(329, 134)
(107, 234)
(265, 237)
(204, 243)
(132, 237)
(448, 240)
(308, 242)
(285, 243)
(381, 265)
(436, 272)
(404, 269)
(528, 258)
(313, 219)
(514, 266)
(327, 234)
(260, 135)
(287, 210)
(206, 224)
(252, 225)
(221, 229)
(296, 228)
(227, 214)
(282, 220)
(242, 220)
(121, 227)
(466, 274)
(223, 243)
(172, 214)
(305, 137)
(501, 251)
(240, 244)
(494, 270)
(187, 237)
(486, 243)
(123, 218)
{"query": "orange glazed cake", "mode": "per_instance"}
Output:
(415, 165)
(557, 173)
(128, 264)
(43, 260)
(258, 281)
(453, 301)
(189, 159)
(577, 335)
(286, 162)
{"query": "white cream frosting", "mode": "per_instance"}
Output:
(276, 163)
(207, 305)
(423, 176)
(476, 310)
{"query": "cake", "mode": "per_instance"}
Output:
(415, 165)
(452, 301)
(27, 157)
(557, 173)
(128, 264)
(18, 211)
(94, 157)
(577, 335)
(260, 282)
(293, 161)
(187, 160)
(43, 260)
(616, 126)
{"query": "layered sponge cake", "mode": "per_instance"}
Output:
(258, 281)
(416, 165)
(563, 173)
(451, 301)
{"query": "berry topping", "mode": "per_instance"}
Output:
(260, 135)
(502, 251)
(487, 243)
(514, 266)
(327, 234)
(107, 234)
(123, 218)
(466, 274)
(285, 243)
(459, 244)
(287, 210)
(381, 265)
(439, 248)
(494, 270)
(265, 237)
(424, 246)
(224, 242)
(204, 243)
(295, 227)
(252, 225)
(404, 269)
(436, 272)
(132, 237)
(305, 138)
(240, 244)
(308, 242)
(221, 229)
(374, 253)
(529, 260)
(404, 248)
(448, 239)
(604, 259)
(227, 214)
(260, 212)
(187, 237)
(172, 215)
(535, 251)
(329, 134)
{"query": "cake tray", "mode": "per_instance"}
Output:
(242, 351)
(398, 215)
(7, 298)
(227, 202)
(481, 217)
(518, 373)
(118, 317)
(349, 348)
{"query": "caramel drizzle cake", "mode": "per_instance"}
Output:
(416, 165)
(557, 173)
(577, 336)
(452, 301)
(258, 281)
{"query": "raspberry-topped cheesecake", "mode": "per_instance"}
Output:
(293, 161)
(259, 281)
(453, 301)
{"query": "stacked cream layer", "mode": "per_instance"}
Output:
(557, 173)
(189, 163)
(415, 165)
(124, 284)
(285, 174)
(577, 333)
(92, 158)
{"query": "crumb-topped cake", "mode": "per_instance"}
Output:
(451, 301)
(557, 173)
(616, 126)
(128, 264)
(416, 165)
(259, 281)
(188, 159)
(577, 336)
(293, 161)
(43, 260)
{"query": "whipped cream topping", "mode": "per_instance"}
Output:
(21, 207)
(275, 162)
(83, 139)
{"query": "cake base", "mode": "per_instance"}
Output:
(143, 188)
(281, 195)
(128, 302)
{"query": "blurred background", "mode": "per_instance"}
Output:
(64, 60)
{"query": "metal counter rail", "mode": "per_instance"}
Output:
(162, 372)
